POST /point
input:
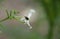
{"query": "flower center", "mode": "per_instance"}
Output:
(26, 18)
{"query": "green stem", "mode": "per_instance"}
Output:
(4, 19)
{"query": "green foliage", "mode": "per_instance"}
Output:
(52, 8)
(11, 14)
(3, 28)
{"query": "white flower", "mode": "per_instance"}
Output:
(26, 19)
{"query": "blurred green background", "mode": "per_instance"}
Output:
(45, 22)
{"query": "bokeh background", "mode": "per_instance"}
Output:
(45, 21)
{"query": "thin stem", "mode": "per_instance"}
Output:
(4, 19)
(7, 13)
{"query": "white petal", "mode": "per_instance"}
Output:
(30, 13)
(29, 24)
(31, 10)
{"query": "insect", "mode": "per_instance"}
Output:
(26, 19)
